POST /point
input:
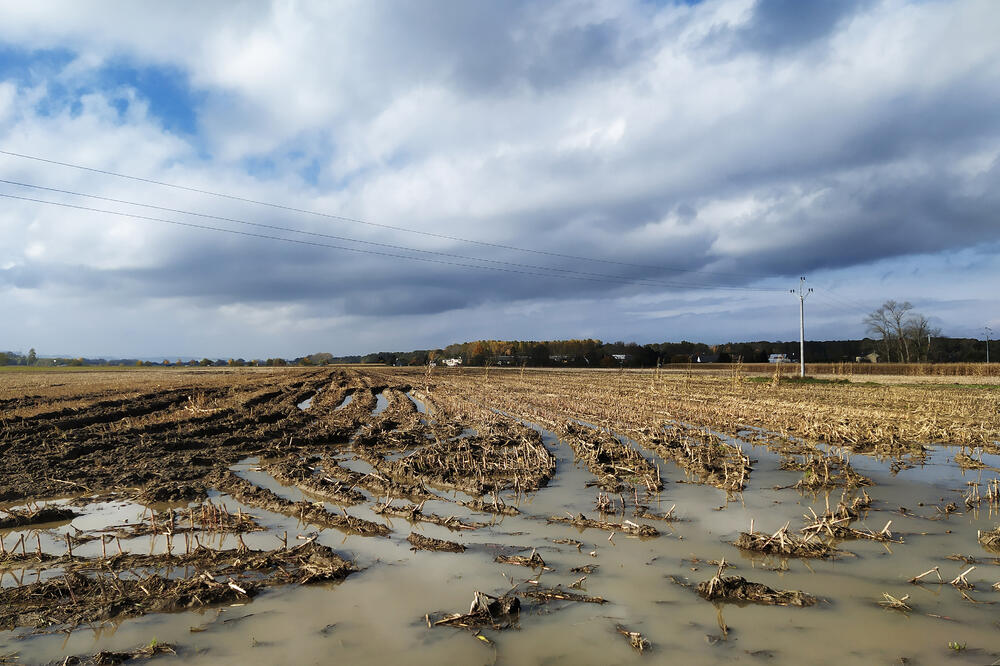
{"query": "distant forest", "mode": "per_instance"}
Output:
(595, 353)
(574, 353)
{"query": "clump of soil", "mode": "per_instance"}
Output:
(414, 513)
(635, 639)
(247, 493)
(485, 611)
(785, 543)
(892, 603)
(11, 560)
(221, 577)
(642, 511)
(109, 658)
(420, 542)
(706, 455)
(500, 457)
(205, 517)
(294, 471)
(965, 461)
(533, 561)
(47, 514)
(615, 465)
(990, 539)
(739, 589)
(497, 506)
(547, 594)
(503, 612)
(626, 527)
(836, 523)
(376, 483)
(852, 509)
(839, 528)
(820, 472)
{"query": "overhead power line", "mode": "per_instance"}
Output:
(830, 304)
(204, 227)
(846, 302)
(392, 246)
(391, 227)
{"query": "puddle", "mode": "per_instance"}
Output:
(419, 404)
(348, 399)
(377, 615)
(381, 402)
(354, 464)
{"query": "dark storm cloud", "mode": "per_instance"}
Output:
(935, 125)
(214, 270)
(783, 25)
(358, 285)
(399, 299)
(863, 222)
(41, 275)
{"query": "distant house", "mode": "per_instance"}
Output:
(706, 358)
(505, 360)
(621, 358)
(562, 358)
(452, 362)
(779, 358)
(868, 358)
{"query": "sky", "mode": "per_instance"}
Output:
(356, 176)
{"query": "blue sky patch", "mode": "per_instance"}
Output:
(166, 89)
(27, 66)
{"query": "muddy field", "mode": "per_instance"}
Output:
(492, 516)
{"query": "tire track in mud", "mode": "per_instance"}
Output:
(568, 478)
(311, 513)
(105, 450)
(269, 423)
(376, 433)
(296, 473)
(701, 454)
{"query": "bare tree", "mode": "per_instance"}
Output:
(918, 331)
(900, 330)
(898, 318)
(877, 324)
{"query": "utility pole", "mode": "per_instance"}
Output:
(988, 331)
(802, 292)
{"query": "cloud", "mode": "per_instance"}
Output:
(751, 141)
(776, 26)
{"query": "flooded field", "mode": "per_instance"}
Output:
(477, 516)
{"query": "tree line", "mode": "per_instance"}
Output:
(587, 353)
(32, 359)
(595, 353)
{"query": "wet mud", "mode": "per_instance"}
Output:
(347, 507)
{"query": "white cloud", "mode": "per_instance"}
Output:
(641, 134)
